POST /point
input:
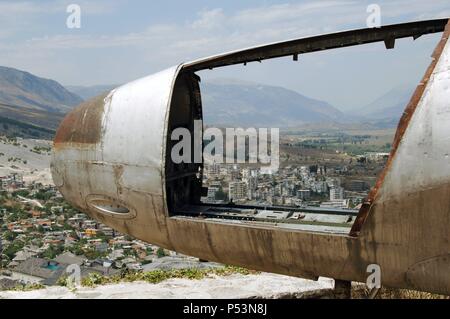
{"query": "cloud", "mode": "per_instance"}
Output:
(11, 8)
(23, 16)
(245, 27)
(208, 32)
(20, 8)
(212, 31)
(287, 12)
(209, 19)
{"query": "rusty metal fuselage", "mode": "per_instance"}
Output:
(111, 161)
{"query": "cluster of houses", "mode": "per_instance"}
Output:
(11, 181)
(41, 238)
(315, 185)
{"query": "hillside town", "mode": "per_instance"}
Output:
(41, 234)
(337, 186)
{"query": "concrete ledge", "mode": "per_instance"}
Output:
(235, 286)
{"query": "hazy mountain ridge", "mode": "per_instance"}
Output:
(29, 99)
(20, 88)
(236, 102)
(244, 103)
(229, 102)
(389, 106)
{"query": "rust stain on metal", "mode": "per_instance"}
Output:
(118, 172)
(83, 124)
(401, 128)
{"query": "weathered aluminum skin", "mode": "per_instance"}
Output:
(123, 161)
(114, 150)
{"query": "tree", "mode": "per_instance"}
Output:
(160, 252)
(220, 194)
(52, 252)
(76, 249)
(92, 254)
(23, 193)
(12, 250)
(9, 235)
(43, 195)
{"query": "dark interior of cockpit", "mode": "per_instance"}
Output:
(184, 188)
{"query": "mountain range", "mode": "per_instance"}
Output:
(390, 105)
(236, 102)
(32, 100)
(231, 102)
(29, 91)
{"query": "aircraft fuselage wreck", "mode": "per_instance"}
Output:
(111, 160)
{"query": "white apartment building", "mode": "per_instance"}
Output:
(336, 193)
(237, 190)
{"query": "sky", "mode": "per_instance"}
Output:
(119, 41)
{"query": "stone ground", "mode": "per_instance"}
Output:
(236, 286)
